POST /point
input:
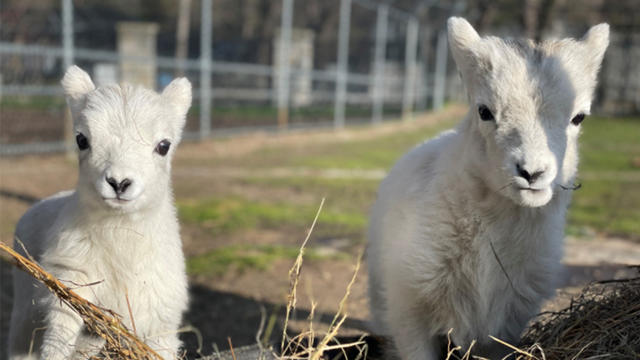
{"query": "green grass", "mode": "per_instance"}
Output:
(606, 203)
(380, 153)
(342, 194)
(243, 257)
(609, 144)
(377, 153)
(226, 215)
(606, 206)
(609, 200)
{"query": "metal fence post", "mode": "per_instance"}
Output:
(182, 36)
(410, 65)
(205, 69)
(441, 71)
(343, 64)
(67, 33)
(422, 92)
(283, 66)
(379, 65)
(67, 61)
(423, 84)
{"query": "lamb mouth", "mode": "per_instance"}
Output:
(116, 200)
(534, 197)
(533, 190)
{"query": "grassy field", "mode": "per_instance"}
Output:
(609, 200)
(276, 186)
(245, 204)
(607, 204)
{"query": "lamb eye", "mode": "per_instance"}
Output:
(163, 147)
(485, 113)
(577, 119)
(82, 141)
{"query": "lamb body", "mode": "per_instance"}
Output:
(117, 231)
(467, 230)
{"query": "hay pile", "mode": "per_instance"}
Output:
(602, 323)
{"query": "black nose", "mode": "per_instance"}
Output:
(530, 177)
(119, 188)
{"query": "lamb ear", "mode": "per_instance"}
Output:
(76, 84)
(596, 40)
(465, 43)
(178, 93)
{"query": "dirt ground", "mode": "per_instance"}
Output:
(233, 304)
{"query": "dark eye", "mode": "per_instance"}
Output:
(577, 119)
(81, 140)
(485, 113)
(163, 147)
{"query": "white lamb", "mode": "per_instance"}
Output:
(467, 230)
(115, 239)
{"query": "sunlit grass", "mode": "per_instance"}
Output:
(343, 194)
(609, 144)
(229, 214)
(242, 257)
(379, 153)
(609, 200)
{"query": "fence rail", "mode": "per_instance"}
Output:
(173, 64)
(407, 68)
(336, 85)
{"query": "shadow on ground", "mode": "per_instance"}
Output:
(23, 197)
(580, 275)
(219, 315)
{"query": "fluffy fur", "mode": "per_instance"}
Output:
(125, 244)
(453, 201)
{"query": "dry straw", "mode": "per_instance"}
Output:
(120, 343)
(602, 323)
(306, 345)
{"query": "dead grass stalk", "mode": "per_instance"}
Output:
(120, 343)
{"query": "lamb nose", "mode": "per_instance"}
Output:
(119, 188)
(124, 184)
(530, 177)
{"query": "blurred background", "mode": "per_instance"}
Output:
(295, 101)
(277, 64)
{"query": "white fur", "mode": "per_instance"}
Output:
(128, 245)
(449, 201)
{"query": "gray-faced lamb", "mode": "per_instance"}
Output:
(467, 230)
